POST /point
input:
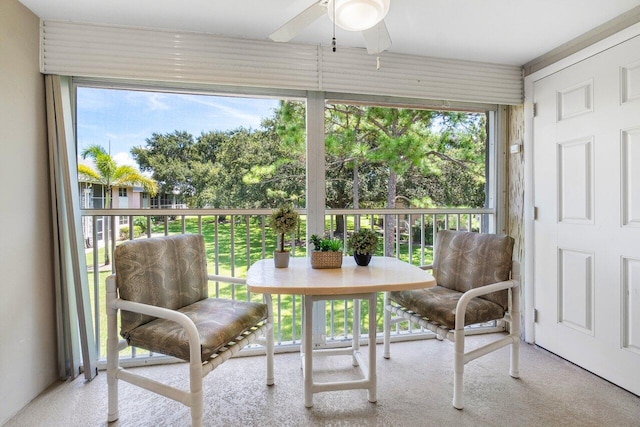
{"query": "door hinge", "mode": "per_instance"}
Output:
(535, 315)
(535, 109)
(535, 213)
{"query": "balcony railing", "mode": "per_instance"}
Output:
(236, 238)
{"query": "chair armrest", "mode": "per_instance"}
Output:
(461, 307)
(426, 267)
(168, 314)
(227, 279)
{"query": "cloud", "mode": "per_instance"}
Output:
(154, 101)
(241, 114)
(87, 162)
(124, 158)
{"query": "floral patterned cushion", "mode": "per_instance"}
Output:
(463, 261)
(438, 304)
(218, 321)
(169, 272)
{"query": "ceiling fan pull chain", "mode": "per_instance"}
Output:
(333, 40)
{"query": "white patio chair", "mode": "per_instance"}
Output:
(474, 285)
(160, 289)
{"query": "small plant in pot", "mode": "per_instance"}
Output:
(363, 243)
(283, 220)
(327, 253)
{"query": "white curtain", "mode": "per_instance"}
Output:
(76, 342)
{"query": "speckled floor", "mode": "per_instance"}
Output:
(414, 389)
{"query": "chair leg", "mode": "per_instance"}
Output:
(458, 369)
(112, 385)
(515, 356)
(387, 327)
(515, 332)
(112, 382)
(112, 352)
(197, 396)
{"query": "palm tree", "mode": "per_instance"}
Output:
(110, 175)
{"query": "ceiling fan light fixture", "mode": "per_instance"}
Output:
(357, 15)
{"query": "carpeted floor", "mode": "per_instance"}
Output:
(414, 389)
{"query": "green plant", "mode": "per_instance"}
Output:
(141, 222)
(363, 241)
(284, 220)
(326, 245)
(124, 232)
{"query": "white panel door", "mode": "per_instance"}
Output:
(587, 231)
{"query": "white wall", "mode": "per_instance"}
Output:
(27, 305)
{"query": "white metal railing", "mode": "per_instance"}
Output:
(235, 238)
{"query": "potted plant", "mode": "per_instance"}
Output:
(327, 253)
(283, 220)
(363, 243)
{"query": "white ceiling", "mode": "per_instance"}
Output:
(499, 31)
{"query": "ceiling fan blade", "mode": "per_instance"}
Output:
(377, 38)
(291, 28)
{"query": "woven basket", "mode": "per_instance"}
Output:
(321, 259)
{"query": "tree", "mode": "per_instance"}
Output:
(348, 149)
(457, 177)
(374, 154)
(239, 168)
(258, 171)
(110, 175)
(276, 167)
(172, 160)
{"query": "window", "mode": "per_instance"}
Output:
(98, 196)
(202, 150)
(386, 157)
(213, 152)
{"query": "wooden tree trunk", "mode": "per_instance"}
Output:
(390, 220)
(339, 230)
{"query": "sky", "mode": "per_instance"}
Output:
(122, 119)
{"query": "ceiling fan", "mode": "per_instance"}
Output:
(366, 16)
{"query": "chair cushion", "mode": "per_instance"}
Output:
(438, 304)
(169, 272)
(463, 261)
(218, 321)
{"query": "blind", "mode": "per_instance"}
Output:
(102, 51)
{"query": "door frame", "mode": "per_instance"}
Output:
(529, 190)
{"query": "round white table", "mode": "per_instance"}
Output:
(349, 282)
